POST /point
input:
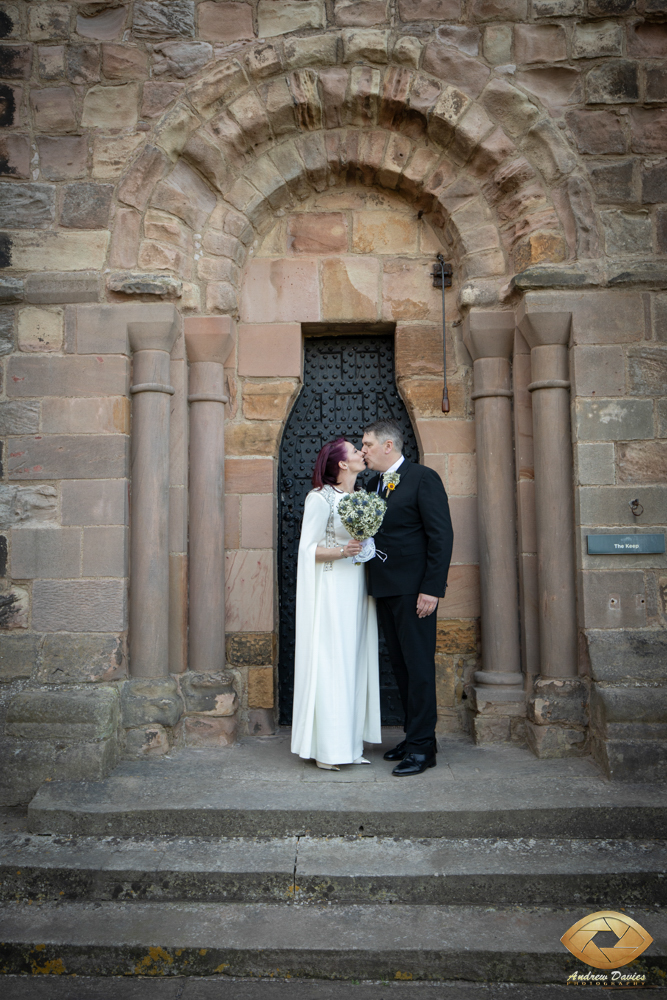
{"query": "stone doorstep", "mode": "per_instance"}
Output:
(333, 870)
(349, 942)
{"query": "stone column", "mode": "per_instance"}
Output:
(556, 710)
(151, 341)
(498, 690)
(209, 341)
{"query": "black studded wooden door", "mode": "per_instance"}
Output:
(348, 382)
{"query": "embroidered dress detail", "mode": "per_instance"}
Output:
(329, 494)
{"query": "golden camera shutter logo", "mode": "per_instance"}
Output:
(632, 940)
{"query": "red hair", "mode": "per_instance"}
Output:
(327, 471)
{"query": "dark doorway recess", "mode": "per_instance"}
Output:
(348, 382)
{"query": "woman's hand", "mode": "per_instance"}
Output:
(353, 548)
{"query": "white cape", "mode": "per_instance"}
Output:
(336, 670)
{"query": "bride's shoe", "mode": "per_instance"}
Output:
(361, 760)
(327, 767)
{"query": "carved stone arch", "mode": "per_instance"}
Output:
(263, 130)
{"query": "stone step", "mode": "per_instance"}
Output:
(259, 939)
(334, 870)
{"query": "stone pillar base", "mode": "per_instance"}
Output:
(496, 714)
(261, 722)
(557, 718)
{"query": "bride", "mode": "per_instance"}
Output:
(336, 677)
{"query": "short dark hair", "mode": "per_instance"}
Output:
(385, 430)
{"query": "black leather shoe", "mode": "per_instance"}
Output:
(414, 763)
(398, 753)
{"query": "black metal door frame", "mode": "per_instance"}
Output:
(349, 381)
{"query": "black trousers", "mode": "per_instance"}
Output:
(411, 647)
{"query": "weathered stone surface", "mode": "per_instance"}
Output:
(500, 10)
(609, 7)
(86, 206)
(15, 62)
(150, 740)
(549, 742)
(614, 183)
(654, 183)
(47, 22)
(18, 655)
(498, 44)
(105, 551)
(28, 505)
(456, 68)
(613, 82)
(509, 106)
(150, 700)
(367, 44)
(261, 722)
(267, 401)
(456, 637)
(599, 370)
(15, 156)
(597, 38)
(185, 195)
(51, 62)
(68, 716)
(649, 130)
(124, 62)
(58, 286)
(83, 64)
(597, 131)
(642, 462)
(278, 17)
(647, 39)
(57, 456)
(556, 701)
(614, 599)
(103, 24)
(208, 694)
(111, 107)
(618, 656)
(38, 251)
(6, 331)
(225, 22)
(548, 150)
(627, 232)
(81, 658)
(19, 417)
(198, 731)
(349, 288)
(84, 502)
(260, 687)
(161, 285)
(40, 329)
(250, 648)
(539, 43)
(29, 763)
(27, 205)
(78, 606)
(647, 372)
(360, 13)
(252, 439)
(111, 155)
(157, 96)
(249, 475)
(11, 290)
(181, 59)
(159, 20)
(614, 419)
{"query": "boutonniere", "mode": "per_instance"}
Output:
(390, 480)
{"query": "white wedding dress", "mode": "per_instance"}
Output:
(336, 671)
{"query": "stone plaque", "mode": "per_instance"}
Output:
(624, 545)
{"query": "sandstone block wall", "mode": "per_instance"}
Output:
(301, 161)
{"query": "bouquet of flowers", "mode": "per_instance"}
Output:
(362, 514)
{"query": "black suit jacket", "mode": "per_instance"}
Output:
(416, 536)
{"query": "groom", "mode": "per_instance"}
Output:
(416, 537)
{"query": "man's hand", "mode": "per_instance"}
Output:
(426, 605)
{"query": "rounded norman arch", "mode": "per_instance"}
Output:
(275, 122)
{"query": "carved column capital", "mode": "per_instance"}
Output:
(489, 333)
(157, 332)
(540, 320)
(209, 338)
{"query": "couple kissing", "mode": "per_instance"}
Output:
(338, 604)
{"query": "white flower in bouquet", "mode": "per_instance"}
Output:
(362, 514)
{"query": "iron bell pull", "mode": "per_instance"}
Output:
(442, 278)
